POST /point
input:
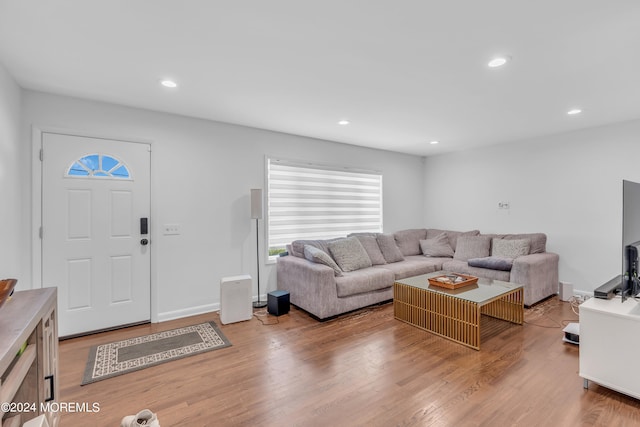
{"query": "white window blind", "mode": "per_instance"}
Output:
(320, 202)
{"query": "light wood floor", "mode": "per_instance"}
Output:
(364, 368)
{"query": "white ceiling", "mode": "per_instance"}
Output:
(404, 72)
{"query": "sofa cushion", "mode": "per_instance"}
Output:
(411, 267)
(436, 262)
(409, 240)
(349, 254)
(437, 247)
(364, 280)
(462, 267)
(492, 262)
(510, 248)
(452, 235)
(370, 244)
(472, 247)
(388, 247)
(319, 256)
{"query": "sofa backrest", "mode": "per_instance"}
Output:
(538, 241)
(408, 241)
(452, 235)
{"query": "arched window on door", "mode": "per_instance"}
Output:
(98, 166)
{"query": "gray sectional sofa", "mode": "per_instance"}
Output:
(330, 277)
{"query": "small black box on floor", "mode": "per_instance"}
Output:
(278, 302)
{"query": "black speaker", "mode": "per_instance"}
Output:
(278, 302)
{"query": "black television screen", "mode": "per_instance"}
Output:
(630, 238)
(630, 286)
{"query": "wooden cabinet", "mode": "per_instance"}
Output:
(29, 357)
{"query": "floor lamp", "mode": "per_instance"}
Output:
(256, 213)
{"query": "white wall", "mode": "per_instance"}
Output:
(202, 172)
(568, 186)
(12, 220)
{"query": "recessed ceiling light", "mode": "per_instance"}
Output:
(169, 83)
(344, 122)
(498, 61)
(434, 142)
(574, 111)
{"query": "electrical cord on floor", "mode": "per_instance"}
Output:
(556, 326)
(575, 302)
(542, 309)
(263, 313)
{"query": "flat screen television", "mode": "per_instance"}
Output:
(630, 286)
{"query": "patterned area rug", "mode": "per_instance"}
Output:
(121, 357)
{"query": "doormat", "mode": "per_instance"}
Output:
(121, 357)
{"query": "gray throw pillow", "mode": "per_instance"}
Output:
(510, 248)
(408, 241)
(349, 254)
(492, 262)
(437, 247)
(538, 241)
(370, 244)
(319, 256)
(388, 247)
(451, 234)
(472, 247)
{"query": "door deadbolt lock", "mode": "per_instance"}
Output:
(144, 242)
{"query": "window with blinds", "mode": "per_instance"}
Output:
(319, 202)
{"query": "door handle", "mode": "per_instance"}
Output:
(144, 242)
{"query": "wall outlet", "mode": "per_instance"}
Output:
(171, 229)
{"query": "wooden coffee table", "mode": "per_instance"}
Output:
(455, 314)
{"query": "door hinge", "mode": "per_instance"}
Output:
(40, 232)
(41, 154)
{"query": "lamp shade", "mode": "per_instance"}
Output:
(256, 203)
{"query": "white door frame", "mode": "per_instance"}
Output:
(36, 206)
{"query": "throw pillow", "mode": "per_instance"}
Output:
(297, 246)
(388, 247)
(437, 247)
(408, 241)
(537, 241)
(349, 254)
(510, 248)
(319, 256)
(492, 262)
(451, 234)
(370, 244)
(472, 247)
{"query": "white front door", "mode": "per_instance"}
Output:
(94, 194)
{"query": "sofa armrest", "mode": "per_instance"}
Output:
(539, 275)
(311, 285)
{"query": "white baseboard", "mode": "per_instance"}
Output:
(194, 311)
(186, 312)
